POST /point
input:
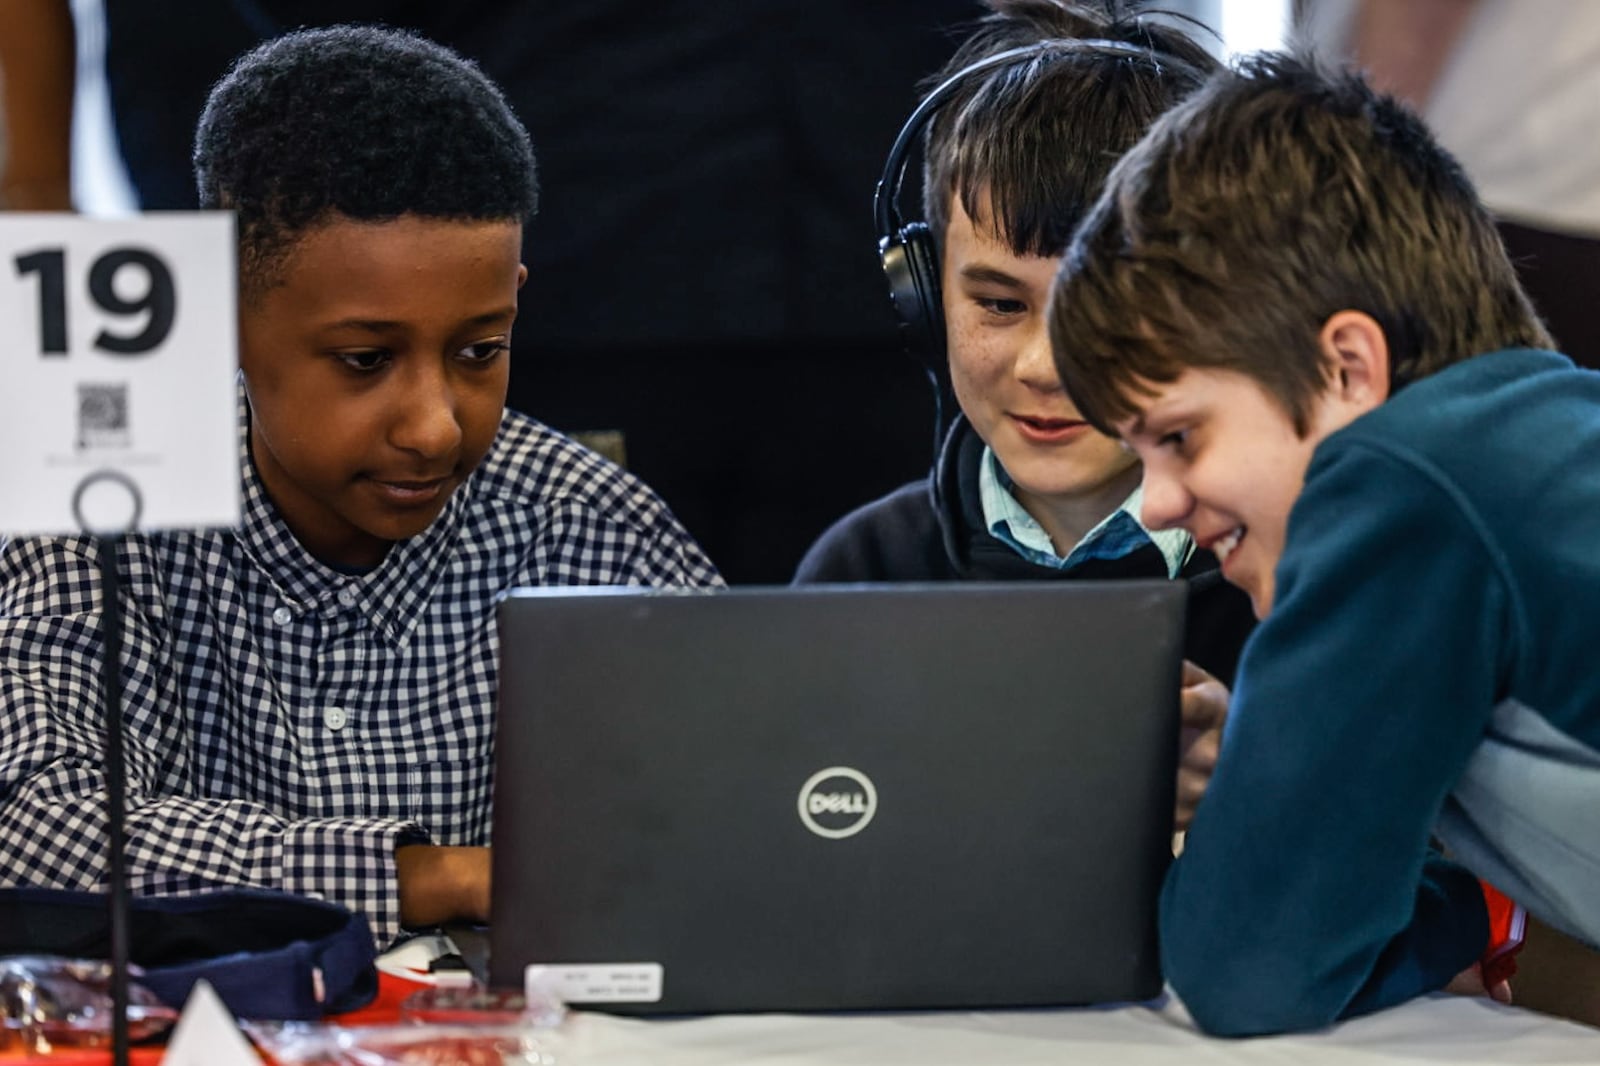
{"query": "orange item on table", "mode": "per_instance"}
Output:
(1507, 922)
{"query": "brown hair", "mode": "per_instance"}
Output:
(1040, 135)
(1275, 197)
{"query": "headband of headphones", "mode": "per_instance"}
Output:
(885, 201)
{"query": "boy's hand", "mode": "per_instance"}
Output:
(1204, 706)
(1469, 982)
(440, 884)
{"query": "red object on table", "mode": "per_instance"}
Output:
(383, 1010)
(139, 1056)
(1507, 922)
(385, 1006)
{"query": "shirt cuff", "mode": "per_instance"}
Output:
(350, 861)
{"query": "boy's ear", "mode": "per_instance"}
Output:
(522, 274)
(1358, 353)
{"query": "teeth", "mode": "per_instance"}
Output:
(1224, 547)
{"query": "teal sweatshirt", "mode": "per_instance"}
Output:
(1429, 669)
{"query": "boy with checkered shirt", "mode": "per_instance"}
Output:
(308, 698)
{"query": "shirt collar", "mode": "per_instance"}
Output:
(392, 595)
(1118, 534)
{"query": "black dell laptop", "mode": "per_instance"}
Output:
(880, 797)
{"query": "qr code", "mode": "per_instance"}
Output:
(102, 416)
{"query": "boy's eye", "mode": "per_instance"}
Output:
(1176, 440)
(1003, 308)
(365, 359)
(485, 351)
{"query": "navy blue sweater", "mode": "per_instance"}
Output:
(933, 530)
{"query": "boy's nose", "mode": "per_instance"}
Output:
(1035, 365)
(427, 422)
(1166, 502)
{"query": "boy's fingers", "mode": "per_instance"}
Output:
(1191, 788)
(1469, 982)
(1203, 700)
(1198, 761)
(1203, 705)
(1199, 752)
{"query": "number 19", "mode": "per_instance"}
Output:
(157, 298)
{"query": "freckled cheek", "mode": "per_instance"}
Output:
(969, 392)
(974, 358)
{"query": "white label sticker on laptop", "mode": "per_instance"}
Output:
(599, 982)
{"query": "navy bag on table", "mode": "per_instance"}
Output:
(269, 955)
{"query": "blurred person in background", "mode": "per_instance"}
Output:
(1512, 88)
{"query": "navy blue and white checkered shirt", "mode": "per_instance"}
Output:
(287, 724)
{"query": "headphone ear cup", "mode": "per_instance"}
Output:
(911, 265)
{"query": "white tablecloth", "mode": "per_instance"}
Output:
(1435, 1031)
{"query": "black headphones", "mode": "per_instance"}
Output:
(909, 253)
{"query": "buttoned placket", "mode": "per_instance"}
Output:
(336, 718)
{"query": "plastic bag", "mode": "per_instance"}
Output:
(460, 1026)
(48, 1002)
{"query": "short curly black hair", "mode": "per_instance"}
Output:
(363, 122)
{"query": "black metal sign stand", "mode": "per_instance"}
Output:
(116, 792)
(108, 539)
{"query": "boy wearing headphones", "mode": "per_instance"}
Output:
(1023, 488)
(308, 698)
(1292, 305)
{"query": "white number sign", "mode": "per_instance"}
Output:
(118, 355)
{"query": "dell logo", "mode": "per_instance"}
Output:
(837, 802)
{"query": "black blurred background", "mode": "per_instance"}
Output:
(703, 273)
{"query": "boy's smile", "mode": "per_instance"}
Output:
(1005, 379)
(1222, 458)
(376, 372)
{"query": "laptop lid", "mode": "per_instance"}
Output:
(907, 796)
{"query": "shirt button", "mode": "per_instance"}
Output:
(283, 616)
(335, 718)
(347, 596)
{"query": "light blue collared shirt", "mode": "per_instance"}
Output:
(1120, 533)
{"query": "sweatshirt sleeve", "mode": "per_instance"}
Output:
(1306, 891)
(52, 785)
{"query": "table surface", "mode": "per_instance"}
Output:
(1435, 1030)
(1431, 1031)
